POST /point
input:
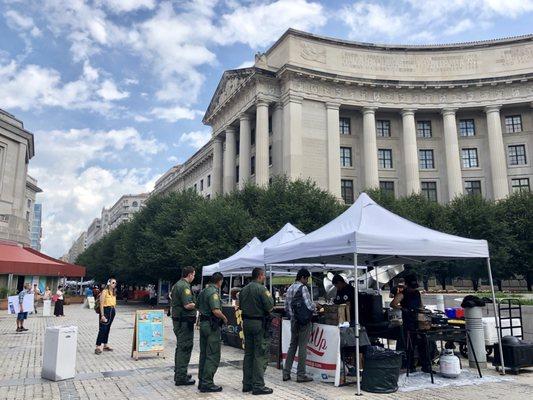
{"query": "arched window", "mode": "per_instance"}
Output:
(134, 204)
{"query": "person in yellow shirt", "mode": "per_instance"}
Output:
(108, 302)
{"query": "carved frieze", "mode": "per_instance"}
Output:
(312, 52)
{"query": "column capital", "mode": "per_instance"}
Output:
(332, 105)
(261, 102)
(493, 108)
(217, 138)
(408, 111)
(229, 129)
(291, 98)
(448, 111)
(244, 117)
(278, 105)
(369, 110)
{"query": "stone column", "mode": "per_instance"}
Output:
(292, 136)
(245, 149)
(498, 167)
(370, 148)
(451, 152)
(229, 160)
(261, 143)
(333, 143)
(277, 151)
(410, 152)
(216, 175)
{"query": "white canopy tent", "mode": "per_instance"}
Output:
(368, 234)
(209, 270)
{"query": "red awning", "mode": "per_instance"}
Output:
(18, 260)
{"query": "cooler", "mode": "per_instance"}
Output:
(59, 352)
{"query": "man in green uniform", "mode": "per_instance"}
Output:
(183, 319)
(211, 319)
(256, 304)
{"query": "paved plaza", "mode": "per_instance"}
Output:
(117, 376)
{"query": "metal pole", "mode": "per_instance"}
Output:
(270, 267)
(312, 297)
(230, 284)
(356, 311)
(496, 317)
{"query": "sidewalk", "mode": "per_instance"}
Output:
(117, 376)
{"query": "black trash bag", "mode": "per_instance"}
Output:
(381, 370)
(472, 301)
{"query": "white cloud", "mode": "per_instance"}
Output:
(173, 159)
(173, 114)
(76, 187)
(141, 118)
(123, 6)
(21, 22)
(195, 139)
(109, 91)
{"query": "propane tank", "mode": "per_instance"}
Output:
(450, 365)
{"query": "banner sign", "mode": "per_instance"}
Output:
(148, 333)
(232, 334)
(323, 352)
(13, 306)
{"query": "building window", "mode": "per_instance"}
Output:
(29, 203)
(134, 204)
(237, 174)
(208, 196)
(520, 185)
(270, 125)
(467, 127)
(346, 156)
(201, 185)
(469, 157)
(429, 190)
(252, 136)
(252, 165)
(513, 123)
(344, 126)
(270, 155)
(385, 158)
(347, 190)
(473, 188)
(425, 158)
(27, 215)
(387, 187)
(383, 128)
(208, 180)
(423, 129)
(237, 147)
(195, 187)
(517, 154)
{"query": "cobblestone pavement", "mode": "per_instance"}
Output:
(117, 376)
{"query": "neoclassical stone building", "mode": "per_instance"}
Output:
(442, 120)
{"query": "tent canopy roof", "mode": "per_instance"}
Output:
(378, 236)
(19, 260)
(209, 270)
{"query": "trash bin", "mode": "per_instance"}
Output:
(382, 370)
(59, 352)
(47, 308)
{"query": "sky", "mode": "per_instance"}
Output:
(114, 91)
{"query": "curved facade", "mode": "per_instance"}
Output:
(442, 120)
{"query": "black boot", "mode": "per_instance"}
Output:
(263, 390)
(211, 389)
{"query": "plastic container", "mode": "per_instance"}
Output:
(450, 312)
(382, 370)
(59, 352)
(459, 312)
(450, 365)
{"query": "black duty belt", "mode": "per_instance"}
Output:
(252, 318)
(204, 318)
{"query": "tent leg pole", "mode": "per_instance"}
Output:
(270, 280)
(230, 285)
(356, 312)
(496, 317)
(202, 283)
(312, 297)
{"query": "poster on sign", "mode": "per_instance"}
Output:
(13, 305)
(148, 333)
(323, 352)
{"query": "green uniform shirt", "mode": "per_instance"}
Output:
(208, 300)
(181, 296)
(255, 300)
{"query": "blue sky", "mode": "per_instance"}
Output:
(115, 90)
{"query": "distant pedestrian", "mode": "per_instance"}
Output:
(47, 294)
(183, 320)
(36, 297)
(300, 308)
(211, 320)
(108, 302)
(256, 304)
(22, 314)
(58, 307)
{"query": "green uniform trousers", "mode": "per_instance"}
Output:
(256, 354)
(210, 343)
(184, 332)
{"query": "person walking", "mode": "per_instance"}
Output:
(256, 304)
(58, 306)
(108, 302)
(183, 320)
(300, 308)
(22, 314)
(211, 320)
(36, 297)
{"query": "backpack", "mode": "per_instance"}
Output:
(97, 304)
(300, 312)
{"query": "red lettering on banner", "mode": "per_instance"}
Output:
(317, 342)
(315, 364)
